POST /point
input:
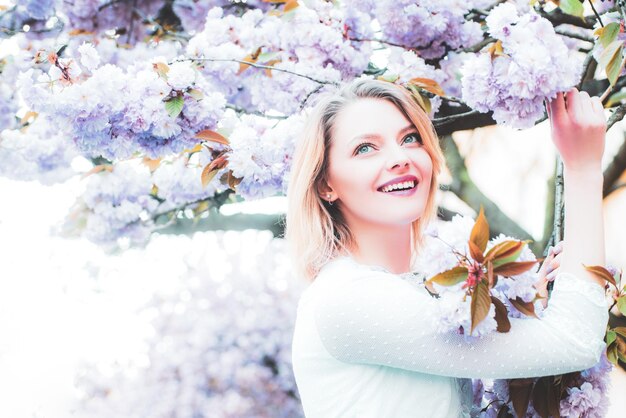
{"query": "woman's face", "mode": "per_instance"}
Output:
(378, 168)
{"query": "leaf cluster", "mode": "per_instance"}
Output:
(479, 274)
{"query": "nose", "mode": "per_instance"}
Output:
(398, 158)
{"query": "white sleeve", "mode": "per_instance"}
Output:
(379, 318)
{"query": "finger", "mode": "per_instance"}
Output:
(555, 263)
(550, 277)
(558, 248)
(557, 107)
(571, 100)
(597, 106)
(584, 105)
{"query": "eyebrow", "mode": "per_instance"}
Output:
(376, 136)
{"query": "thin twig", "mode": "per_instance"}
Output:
(574, 35)
(379, 41)
(478, 46)
(264, 67)
(257, 113)
(596, 13)
(610, 88)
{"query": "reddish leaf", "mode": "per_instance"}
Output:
(268, 71)
(290, 5)
(251, 58)
(611, 353)
(527, 308)
(505, 412)
(475, 252)
(514, 268)
(496, 50)
(152, 164)
(480, 231)
(620, 330)
(621, 349)
(505, 252)
(161, 69)
(479, 306)
(491, 278)
(602, 273)
(519, 392)
(428, 85)
(208, 135)
(502, 317)
(97, 169)
(211, 169)
(450, 277)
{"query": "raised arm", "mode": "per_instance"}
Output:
(578, 131)
(377, 318)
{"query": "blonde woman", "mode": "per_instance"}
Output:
(361, 193)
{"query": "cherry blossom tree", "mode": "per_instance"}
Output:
(171, 109)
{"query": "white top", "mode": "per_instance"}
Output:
(365, 345)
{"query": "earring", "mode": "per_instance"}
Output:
(328, 198)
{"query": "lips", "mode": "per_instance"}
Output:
(398, 183)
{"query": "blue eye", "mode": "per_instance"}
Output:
(412, 139)
(363, 148)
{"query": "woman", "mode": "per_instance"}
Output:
(361, 193)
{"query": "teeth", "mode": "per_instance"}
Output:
(396, 186)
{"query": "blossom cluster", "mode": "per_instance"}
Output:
(432, 27)
(261, 152)
(585, 396)
(160, 112)
(528, 64)
(38, 151)
(307, 42)
(585, 392)
(220, 344)
(443, 244)
(117, 202)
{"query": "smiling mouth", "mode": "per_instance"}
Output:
(399, 187)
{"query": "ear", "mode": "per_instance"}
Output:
(324, 189)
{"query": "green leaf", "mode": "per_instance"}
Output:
(450, 277)
(614, 67)
(610, 337)
(608, 33)
(174, 106)
(620, 330)
(615, 99)
(572, 7)
(611, 59)
(621, 304)
(611, 353)
(479, 306)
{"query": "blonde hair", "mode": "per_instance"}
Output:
(315, 230)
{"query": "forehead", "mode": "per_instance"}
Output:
(368, 116)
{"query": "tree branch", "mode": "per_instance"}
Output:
(445, 125)
(463, 186)
(618, 114)
(264, 67)
(614, 170)
(238, 222)
(557, 17)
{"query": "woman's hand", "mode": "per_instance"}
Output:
(578, 129)
(548, 271)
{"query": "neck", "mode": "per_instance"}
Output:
(385, 246)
